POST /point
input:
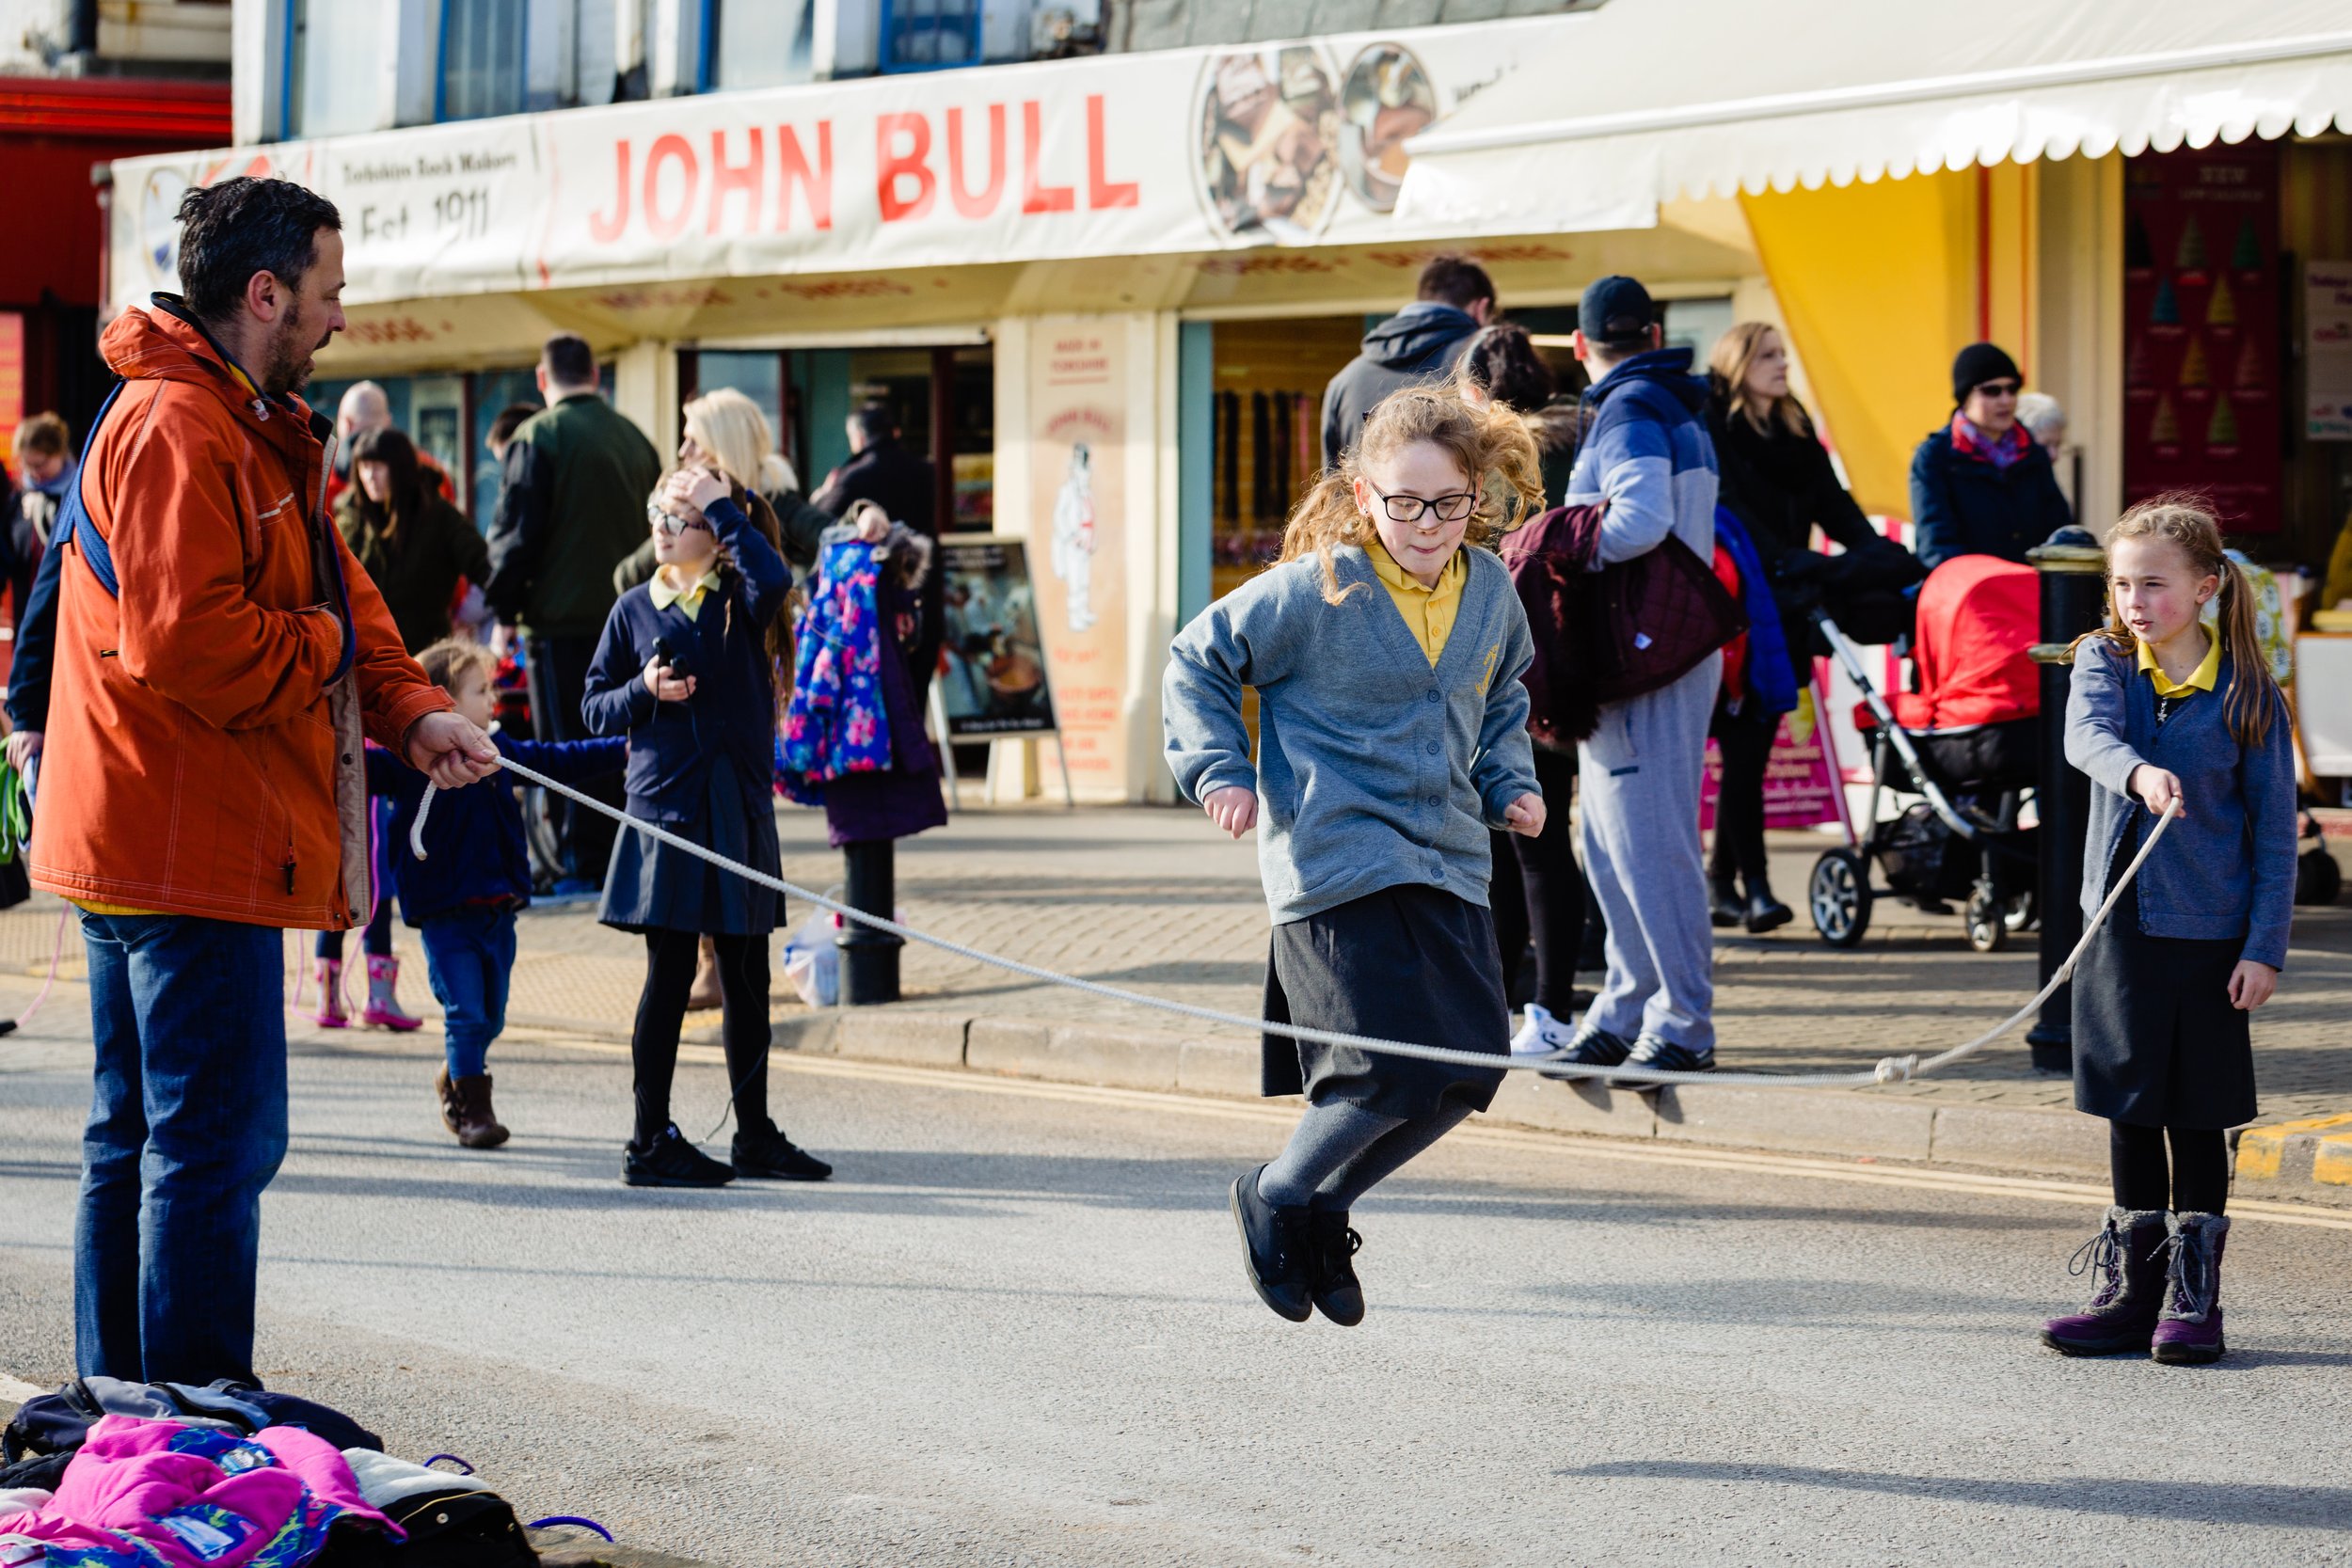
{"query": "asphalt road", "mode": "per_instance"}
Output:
(1014, 1330)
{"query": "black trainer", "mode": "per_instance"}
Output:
(1274, 1249)
(770, 1153)
(1590, 1048)
(1331, 1267)
(669, 1161)
(1664, 1055)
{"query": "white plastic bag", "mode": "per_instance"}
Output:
(812, 959)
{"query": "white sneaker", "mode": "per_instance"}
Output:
(1542, 1033)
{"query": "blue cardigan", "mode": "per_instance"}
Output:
(475, 851)
(2225, 869)
(673, 746)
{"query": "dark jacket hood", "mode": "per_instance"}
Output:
(1669, 368)
(1420, 336)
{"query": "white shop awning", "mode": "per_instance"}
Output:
(1644, 101)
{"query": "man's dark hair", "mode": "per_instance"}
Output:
(510, 419)
(569, 360)
(1456, 282)
(1503, 359)
(231, 231)
(876, 421)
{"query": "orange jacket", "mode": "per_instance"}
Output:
(198, 759)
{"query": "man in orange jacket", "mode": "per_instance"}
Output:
(219, 654)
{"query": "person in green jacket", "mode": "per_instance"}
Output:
(573, 509)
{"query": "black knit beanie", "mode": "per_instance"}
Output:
(1977, 364)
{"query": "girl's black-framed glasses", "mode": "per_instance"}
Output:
(1411, 509)
(667, 522)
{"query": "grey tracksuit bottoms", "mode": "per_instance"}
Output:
(1638, 794)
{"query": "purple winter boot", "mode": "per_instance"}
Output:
(2128, 1256)
(2189, 1332)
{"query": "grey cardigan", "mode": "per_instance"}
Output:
(1374, 769)
(2225, 870)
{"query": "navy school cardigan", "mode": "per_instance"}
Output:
(732, 714)
(475, 851)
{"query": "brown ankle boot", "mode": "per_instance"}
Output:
(477, 1124)
(446, 1092)
(706, 993)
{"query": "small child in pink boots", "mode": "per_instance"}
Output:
(382, 1009)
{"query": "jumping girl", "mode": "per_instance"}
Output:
(687, 670)
(2162, 713)
(1392, 736)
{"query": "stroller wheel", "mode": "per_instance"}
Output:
(1838, 893)
(1988, 922)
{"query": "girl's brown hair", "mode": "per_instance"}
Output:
(1734, 353)
(2188, 520)
(1490, 444)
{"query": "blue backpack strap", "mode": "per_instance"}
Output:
(73, 522)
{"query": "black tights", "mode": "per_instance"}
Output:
(1745, 741)
(1538, 891)
(670, 957)
(2198, 1182)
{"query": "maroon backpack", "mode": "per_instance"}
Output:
(1603, 636)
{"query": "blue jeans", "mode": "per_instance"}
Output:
(468, 955)
(187, 1125)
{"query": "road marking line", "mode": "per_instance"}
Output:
(15, 1392)
(1923, 1178)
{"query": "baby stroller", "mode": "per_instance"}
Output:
(1968, 745)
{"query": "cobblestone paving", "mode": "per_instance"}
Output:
(1156, 900)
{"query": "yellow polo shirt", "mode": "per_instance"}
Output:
(1428, 612)
(664, 589)
(2203, 678)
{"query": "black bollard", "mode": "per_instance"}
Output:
(2073, 601)
(869, 959)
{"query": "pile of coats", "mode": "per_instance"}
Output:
(106, 1474)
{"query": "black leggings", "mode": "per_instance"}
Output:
(2198, 1182)
(670, 959)
(1538, 891)
(1745, 742)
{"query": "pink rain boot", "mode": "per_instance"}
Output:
(330, 974)
(383, 1008)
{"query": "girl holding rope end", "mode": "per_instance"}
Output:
(687, 669)
(2164, 714)
(1386, 649)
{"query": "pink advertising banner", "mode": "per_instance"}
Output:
(1801, 781)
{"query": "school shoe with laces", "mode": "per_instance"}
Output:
(1664, 1055)
(1591, 1048)
(2188, 1329)
(669, 1161)
(1331, 1248)
(465, 1110)
(766, 1152)
(2127, 1256)
(1275, 1246)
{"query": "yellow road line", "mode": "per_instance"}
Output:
(1755, 1162)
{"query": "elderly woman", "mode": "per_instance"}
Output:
(1982, 484)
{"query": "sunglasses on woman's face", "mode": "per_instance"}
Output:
(1998, 388)
(666, 523)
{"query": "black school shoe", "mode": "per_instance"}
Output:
(1664, 1055)
(669, 1161)
(1274, 1249)
(1591, 1048)
(1331, 1267)
(769, 1153)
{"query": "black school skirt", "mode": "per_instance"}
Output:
(650, 886)
(1405, 964)
(2157, 1041)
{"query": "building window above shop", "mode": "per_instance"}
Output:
(929, 34)
(334, 58)
(762, 44)
(482, 59)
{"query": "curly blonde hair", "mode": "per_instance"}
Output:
(1491, 444)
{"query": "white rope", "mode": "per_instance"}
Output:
(1890, 1069)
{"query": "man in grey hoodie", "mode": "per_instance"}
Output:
(1422, 342)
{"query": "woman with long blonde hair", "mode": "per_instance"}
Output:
(2167, 716)
(1386, 649)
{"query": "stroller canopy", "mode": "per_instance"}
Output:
(1979, 617)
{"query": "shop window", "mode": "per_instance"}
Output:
(929, 34)
(758, 374)
(334, 58)
(972, 438)
(1265, 433)
(482, 59)
(762, 44)
(493, 392)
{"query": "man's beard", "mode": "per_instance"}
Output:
(286, 363)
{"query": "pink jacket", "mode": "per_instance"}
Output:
(159, 1495)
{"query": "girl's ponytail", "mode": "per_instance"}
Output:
(2254, 695)
(1491, 443)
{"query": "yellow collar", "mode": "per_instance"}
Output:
(664, 590)
(1401, 582)
(2203, 678)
